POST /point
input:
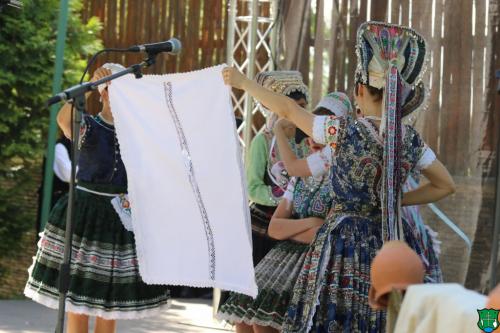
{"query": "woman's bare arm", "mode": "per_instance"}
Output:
(282, 105)
(440, 185)
(282, 227)
(307, 236)
(294, 166)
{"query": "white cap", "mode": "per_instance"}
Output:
(114, 68)
(338, 103)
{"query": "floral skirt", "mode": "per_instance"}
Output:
(261, 242)
(275, 275)
(104, 275)
(331, 291)
(427, 238)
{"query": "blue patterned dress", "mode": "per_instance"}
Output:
(331, 292)
(277, 272)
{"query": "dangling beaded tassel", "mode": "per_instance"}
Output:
(398, 158)
(392, 140)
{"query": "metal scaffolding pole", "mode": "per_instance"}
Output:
(250, 47)
(252, 42)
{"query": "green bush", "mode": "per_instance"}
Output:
(27, 55)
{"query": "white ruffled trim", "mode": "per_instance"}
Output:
(232, 319)
(290, 189)
(319, 129)
(436, 243)
(428, 157)
(81, 309)
(320, 162)
(123, 212)
(53, 303)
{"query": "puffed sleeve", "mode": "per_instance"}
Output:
(426, 159)
(326, 130)
(62, 163)
(290, 189)
(423, 154)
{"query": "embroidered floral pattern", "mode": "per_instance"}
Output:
(332, 124)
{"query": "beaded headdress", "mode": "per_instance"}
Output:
(392, 58)
(281, 82)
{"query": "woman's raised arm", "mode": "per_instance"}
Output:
(283, 106)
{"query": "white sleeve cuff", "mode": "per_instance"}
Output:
(290, 189)
(320, 162)
(428, 157)
(319, 129)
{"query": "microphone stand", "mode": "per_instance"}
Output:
(77, 95)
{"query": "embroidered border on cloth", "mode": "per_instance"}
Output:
(192, 178)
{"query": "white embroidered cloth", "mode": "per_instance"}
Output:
(437, 307)
(186, 184)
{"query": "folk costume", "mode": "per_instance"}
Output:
(266, 175)
(368, 168)
(278, 270)
(104, 276)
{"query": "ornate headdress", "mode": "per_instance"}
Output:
(281, 82)
(392, 58)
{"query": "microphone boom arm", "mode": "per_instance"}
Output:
(80, 89)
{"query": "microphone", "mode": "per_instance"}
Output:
(61, 97)
(172, 46)
(11, 3)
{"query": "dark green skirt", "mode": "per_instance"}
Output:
(275, 275)
(105, 278)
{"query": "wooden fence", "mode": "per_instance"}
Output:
(458, 71)
(199, 24)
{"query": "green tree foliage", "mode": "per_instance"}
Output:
(27, 55)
